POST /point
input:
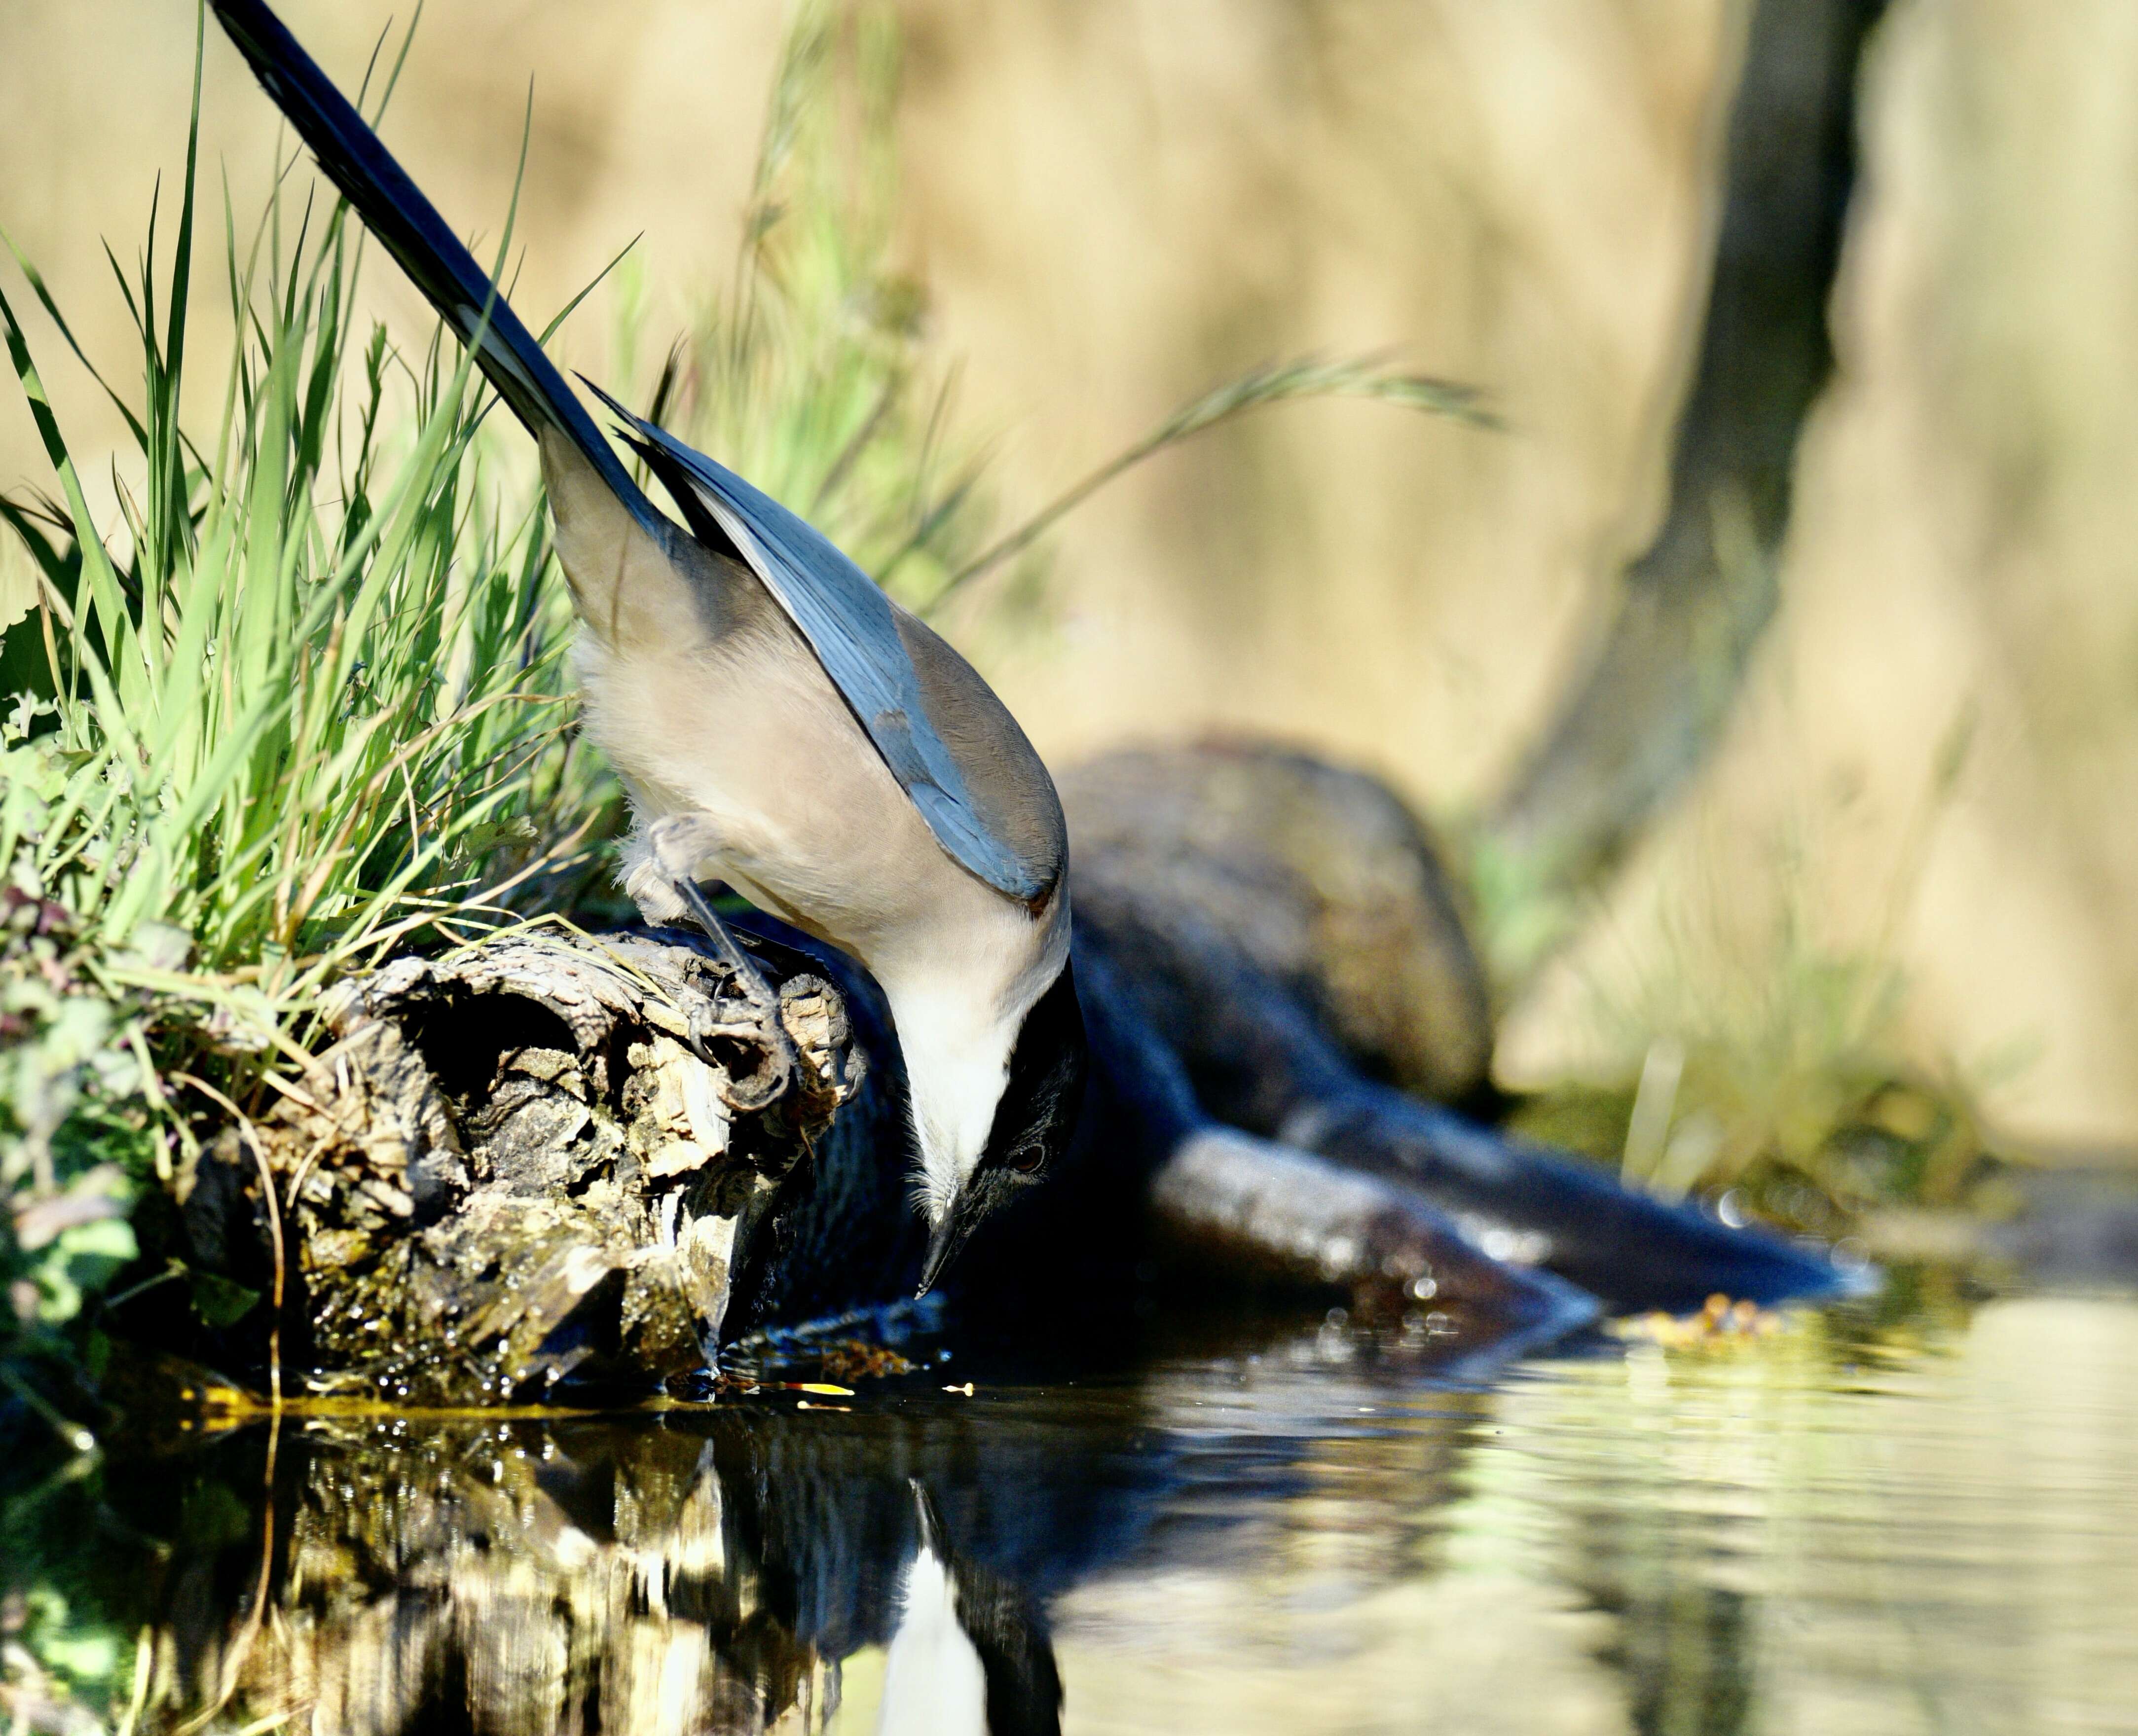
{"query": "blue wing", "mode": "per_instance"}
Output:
(849, 624)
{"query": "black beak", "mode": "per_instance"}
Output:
(930, 1522)
(948, 1237)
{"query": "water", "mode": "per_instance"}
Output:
(1917, 1513)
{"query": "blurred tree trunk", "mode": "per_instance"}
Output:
(1653, 701)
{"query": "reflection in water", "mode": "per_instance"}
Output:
(970, 1656)
(686, 1571)
(1927, 1523)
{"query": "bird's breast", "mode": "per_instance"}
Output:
(747, 729)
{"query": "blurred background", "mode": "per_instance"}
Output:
(1905, 825)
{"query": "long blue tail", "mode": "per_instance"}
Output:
(411, 230)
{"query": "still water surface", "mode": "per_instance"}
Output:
(1917, 1513)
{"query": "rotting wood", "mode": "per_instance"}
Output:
(541, 1159)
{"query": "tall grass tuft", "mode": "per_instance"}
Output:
(285, 724)
(301, 705)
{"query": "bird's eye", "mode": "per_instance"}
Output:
(1027, 1159)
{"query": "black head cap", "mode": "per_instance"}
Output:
(1033, 1120)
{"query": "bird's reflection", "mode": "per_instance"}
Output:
(970, 1653)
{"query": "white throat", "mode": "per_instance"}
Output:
(956, 1065)
(958, 1013)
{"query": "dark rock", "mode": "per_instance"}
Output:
(1318, 876)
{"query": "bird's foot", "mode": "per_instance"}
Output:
(678, 844)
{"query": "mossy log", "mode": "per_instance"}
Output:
(543, 1158)
(1285, 930)
(1257, 1060)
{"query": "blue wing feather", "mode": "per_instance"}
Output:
(848, 623)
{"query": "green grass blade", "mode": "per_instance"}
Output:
(101, 580)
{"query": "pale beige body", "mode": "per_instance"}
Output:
(710, 704)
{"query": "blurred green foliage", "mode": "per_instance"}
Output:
(1763, 1064)
(76, 1137)
(75, 1144)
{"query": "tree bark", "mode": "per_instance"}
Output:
(546, 1158)
(1666, 671)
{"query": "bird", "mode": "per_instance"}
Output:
(779, 725)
